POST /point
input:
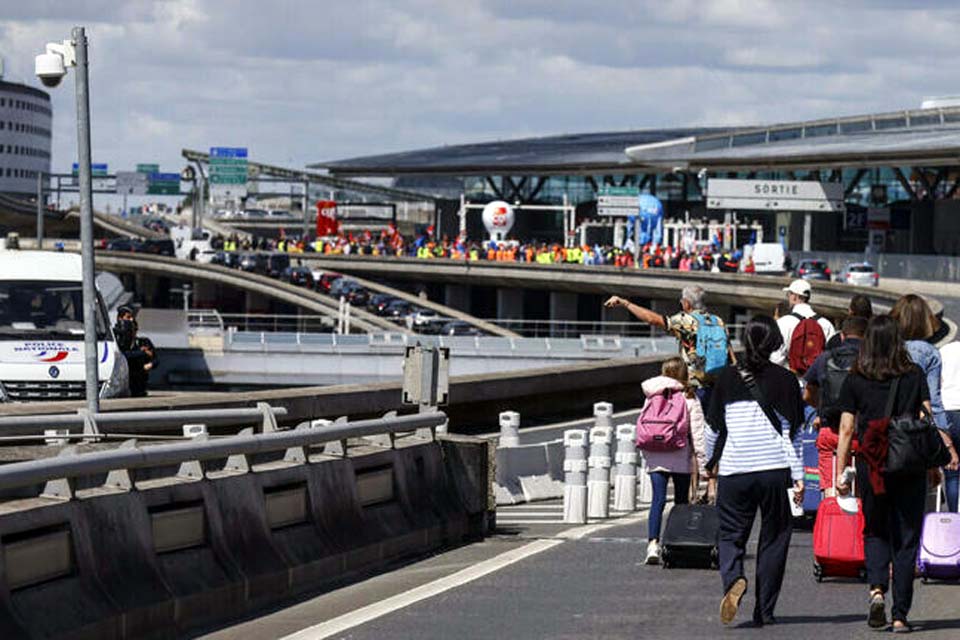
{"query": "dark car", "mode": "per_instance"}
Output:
(123, 244)
(326, 280)
(274, 264)
(358, 296)
(340, 287)
(299, 276)
(378, 302)
(228, 259)
(251, 262)
(398, 309)
(157, 247)
(460, 328)
(813, 270)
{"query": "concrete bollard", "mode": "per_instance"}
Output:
(646, 487)
(575, 476)
(603, 414)
(598, 480)
(509, 429)
(625, 479)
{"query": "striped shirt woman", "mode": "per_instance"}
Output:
(758, 461)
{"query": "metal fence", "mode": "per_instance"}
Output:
(59, 472)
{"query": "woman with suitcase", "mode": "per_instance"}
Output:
(885, 383)
(754, 435)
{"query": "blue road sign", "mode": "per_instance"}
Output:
(228, 152)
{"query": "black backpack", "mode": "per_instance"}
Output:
(837, 368)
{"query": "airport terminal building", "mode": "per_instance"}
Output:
(899, 172)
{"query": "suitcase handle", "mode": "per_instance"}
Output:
(853, 480)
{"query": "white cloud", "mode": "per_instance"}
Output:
(306, 81)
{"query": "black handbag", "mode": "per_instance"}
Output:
(914, 444)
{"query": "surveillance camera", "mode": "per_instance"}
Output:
(50, 69)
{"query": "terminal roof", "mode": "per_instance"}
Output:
(920, 137)
(582, 153)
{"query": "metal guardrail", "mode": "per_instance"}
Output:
(96, 425)
(72, 465)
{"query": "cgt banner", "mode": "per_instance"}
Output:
(327, 223)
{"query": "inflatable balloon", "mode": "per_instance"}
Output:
(498, 218)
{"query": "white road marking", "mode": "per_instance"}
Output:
(429, 590)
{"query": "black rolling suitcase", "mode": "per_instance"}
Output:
(690, 537)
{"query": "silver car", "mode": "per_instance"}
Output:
(861, 274)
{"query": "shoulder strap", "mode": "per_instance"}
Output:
(751, 383)
(797, 316)
(892, 397)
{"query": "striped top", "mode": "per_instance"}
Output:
(751, 444)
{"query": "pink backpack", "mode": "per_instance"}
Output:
(664, 423)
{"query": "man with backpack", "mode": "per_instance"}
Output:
(804, 331)
(704, 344)
(824, 379)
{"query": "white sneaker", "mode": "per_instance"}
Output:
(653, 552)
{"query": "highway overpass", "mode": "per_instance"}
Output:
(21, 216)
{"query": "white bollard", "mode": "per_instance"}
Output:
(603, 414)
(598, 479)
(575, 476)
(646, 487)
(509, 429)
(625, 479)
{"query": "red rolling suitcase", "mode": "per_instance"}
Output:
(838, 540)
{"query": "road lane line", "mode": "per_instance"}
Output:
(373, 611)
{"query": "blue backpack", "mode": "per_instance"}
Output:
(711, 341)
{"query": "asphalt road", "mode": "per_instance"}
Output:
(591, 584)
(598, 588)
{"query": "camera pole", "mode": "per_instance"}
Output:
(86, 222)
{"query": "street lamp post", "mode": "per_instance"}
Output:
(51, 67)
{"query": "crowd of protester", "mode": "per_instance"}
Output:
(389, 242)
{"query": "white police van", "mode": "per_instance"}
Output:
(41, 331)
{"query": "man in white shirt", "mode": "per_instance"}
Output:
(798, 297)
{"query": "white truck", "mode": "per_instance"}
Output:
(41, 331)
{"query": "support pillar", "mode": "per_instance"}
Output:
(457, 296)
(563, 308)
(510, 304)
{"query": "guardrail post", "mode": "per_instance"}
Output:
(334, 448)
(625, 480)
(239, 462)
(598, 480)
(192, 469)
(269, 420)
(61, 488)
(120, 478)
(509, 429)
(575, 476)
(386, 440)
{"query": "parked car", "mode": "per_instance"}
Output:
(460, 328)
(337, 286)
(158, 247)
(378, 302)
(861, 274)
(274, 264)
(398, 310)
(813, 270)
(299, 276)
(123, 244)
(250, 261)
(423, 317)
(325, 281)
(356, 295)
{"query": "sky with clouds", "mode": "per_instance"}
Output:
(300, 82)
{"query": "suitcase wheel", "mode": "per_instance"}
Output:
(818, 572)
(715, 559)
(925, 580)
(664, 558)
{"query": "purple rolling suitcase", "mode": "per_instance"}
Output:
(939, 556)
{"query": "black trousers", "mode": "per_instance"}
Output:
(738, 498)
(892, 533)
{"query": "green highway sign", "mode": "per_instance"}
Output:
(228, 172)
(163, 184)
(148, 168)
